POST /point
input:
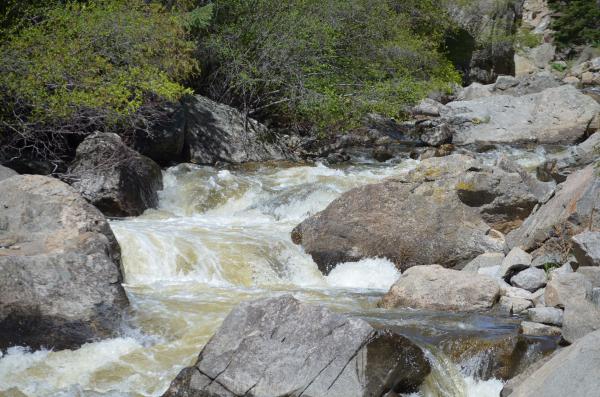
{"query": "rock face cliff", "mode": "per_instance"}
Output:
(60, 266)
(482, 48)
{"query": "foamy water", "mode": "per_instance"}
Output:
(219, 237)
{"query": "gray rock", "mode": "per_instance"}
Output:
(581, 317)
(592, 273)
(546, 315)
(163, 142)
(567, 213)
(537, 329)
(428, 107)
(539, 298)
(483, 261)
(573, 371)
(530, 279)
(564, 288)
(542, 55)
(435, 134)
(596, 296)
(281, 347)
(525, 85)
(6, 173)
(416, 220)
(515, 261)
(116, 179)
(511, 305)
(570, 160)
(474, 91)
(435, 288)
(553, 116)
(586, 248)
(219, 133)
(503, 197)
(61, 276)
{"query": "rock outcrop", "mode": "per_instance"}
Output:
(116, 179)
(436, 288)
(566, 214)
(218, 133)
(556, 115)
(573, 371)
(60, 266)
(417, 220)
(163, 141)
(281, 347)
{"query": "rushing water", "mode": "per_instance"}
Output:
(220, 237)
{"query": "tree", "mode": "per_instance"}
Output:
(105, 65)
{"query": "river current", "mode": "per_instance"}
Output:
(220, 237)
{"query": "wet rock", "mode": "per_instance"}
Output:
(163, 141)
(511, 305)
(546, 315)
(6, 173)
(580, 318)
(514, 382)
(573, 371)
(413, 220)
(281, 347)
(116, 179)
(553, 116)
(564, 288)
(537, 329)
(586, 248)
(61, 278)
(530, 279)
(483, 261)
(592, 273)
(382, 154)
(564, 215)
(435, 288)
(219, 133)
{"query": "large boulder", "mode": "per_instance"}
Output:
(565, 288)
(504, 195)
(60, 266)
(573, 371)
(281, 347)
(436, 288)
(569, 212)
(586, 248)
(163, 140)
(414, 220)
(564, 163)
(116, 179)
(219, 133)
(556, 115)
(580, 318)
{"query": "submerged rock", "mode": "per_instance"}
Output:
(219, 133)
(435, 288)
(573, 371)
(281, 347)
(116, 179)
(60, 284)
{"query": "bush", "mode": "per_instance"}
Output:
(577, 22)
(103, 65)
(322, 65)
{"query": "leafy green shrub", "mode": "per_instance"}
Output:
(577, 22)
(322, 64)
(98, 65)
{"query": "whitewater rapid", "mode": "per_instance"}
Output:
(219, 237)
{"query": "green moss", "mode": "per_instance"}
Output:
(467, 186)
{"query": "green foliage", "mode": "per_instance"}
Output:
(577, 22)
(526, 38)
(559, 67)
(323, 65)
(98, 63)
